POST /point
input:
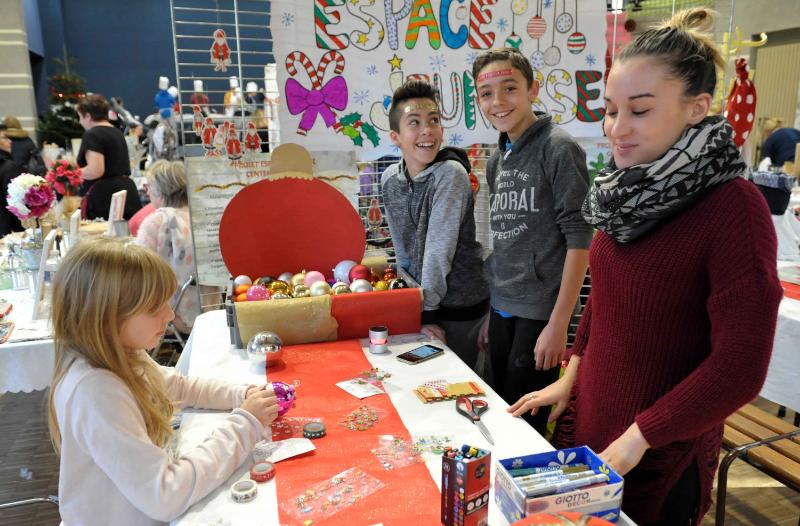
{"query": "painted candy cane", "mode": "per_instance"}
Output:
(293, 57)
(326, 59)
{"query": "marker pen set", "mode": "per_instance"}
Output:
(558, 479)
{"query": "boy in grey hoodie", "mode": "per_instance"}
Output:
(537, 182)
(429, 208)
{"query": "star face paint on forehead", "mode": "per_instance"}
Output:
(498, 73)
(408, 108)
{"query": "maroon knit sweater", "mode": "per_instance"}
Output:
(677, 335)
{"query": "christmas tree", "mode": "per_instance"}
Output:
(60, 122)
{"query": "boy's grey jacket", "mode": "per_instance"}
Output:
(433, 229)
(535, 193)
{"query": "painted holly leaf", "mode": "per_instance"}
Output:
(354, 134)
(371, 133)
(350, 119)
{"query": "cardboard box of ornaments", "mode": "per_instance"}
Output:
(294, 223)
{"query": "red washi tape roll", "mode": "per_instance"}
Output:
(262, 471)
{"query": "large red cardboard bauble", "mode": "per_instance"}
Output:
(289, 223)
(359, 272)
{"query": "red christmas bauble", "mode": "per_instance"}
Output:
(359, 272)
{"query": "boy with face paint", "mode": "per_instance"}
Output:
(429, 208)
(537, 182)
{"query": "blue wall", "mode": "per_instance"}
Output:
(121, 47)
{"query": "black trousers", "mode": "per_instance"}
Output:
(680, 508)
(511, 344)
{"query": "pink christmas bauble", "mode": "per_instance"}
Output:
(312, 277)
(257, 293)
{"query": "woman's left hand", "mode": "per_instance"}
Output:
(627, 451)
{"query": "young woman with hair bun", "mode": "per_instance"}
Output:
(678, 329)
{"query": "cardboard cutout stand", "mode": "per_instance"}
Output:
(295, 222)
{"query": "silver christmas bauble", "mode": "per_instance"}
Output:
(320, 288)
(265, 347)
(361, 285)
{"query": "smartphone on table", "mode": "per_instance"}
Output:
(420, 354)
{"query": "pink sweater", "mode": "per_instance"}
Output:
(111, 472)
(677, 336)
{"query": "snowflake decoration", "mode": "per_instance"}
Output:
(563, 460)
(456, 139)
(372, 70)
(502, 24)
(590, 59)
(518, 463)
(287, 19)
(360, 97)
(471, 57)
(548, 4)
(437, 62)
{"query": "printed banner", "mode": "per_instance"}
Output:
(339, 62)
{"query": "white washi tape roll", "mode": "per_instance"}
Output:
(244, 491)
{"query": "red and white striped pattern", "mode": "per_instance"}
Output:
(326, 59)
(478, 17)
(536, 27)
(295, 56)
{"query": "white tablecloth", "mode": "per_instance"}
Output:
(211, 355)
(782, 385)
(26, 359)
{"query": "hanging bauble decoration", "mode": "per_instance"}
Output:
(514, 40)
(552, 56)
(564, 22)
(537, 60)
(576, 42)
(536, 27)
(518, 7)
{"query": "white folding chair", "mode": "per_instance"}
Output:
(176, 337)
(116, 225)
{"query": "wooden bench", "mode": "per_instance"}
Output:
(765, 442)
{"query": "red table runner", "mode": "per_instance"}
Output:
(791, 290)
(410, 495)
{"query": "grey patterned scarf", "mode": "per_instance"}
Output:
(626, 203)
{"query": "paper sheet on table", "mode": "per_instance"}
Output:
(282, 449)
(300, 320)
(360, 388)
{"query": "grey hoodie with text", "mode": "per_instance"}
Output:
(433, 229)
(536, 190)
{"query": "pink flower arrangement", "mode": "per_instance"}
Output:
(65, 177)
(30, 196)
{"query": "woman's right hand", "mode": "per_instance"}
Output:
(556, 393)
(263, 405)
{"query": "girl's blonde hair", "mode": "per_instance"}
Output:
(685, 44)
(100, 285)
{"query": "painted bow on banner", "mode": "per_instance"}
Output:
(333, 95)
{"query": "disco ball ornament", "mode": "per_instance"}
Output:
(342, 271)
(552, 56)
(576, 43)
(312, 277)
(285, 393)
(361, 285)
(265, 347)
(398, 283)
(257, 293)
(301, 291)
(320, 288)
(359, 272)
(242, 280)
(281, 296)
(536, 27)
(564, 22)
(537, 60)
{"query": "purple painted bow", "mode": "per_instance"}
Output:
(316, 102)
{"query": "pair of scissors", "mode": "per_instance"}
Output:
(473, 409)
